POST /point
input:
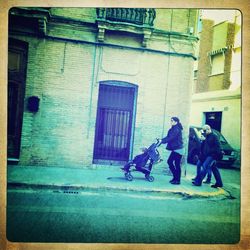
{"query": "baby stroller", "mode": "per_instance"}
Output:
(144, 162)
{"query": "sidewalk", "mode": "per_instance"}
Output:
(107, 178)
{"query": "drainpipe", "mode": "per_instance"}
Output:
(91, 90)
(165, 101)
(166, 86)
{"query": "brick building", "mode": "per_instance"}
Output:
(91, 86)
(217, 84)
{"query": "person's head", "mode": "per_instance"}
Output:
(207, 129)
(176, 121)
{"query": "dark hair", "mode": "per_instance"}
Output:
(176, 119)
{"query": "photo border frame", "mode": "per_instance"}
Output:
(242, 5)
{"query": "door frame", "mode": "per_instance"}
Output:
(119, 84)
(220, 121)
(18, 78)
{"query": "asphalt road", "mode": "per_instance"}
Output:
(125, 217)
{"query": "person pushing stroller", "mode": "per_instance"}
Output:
(174, 143)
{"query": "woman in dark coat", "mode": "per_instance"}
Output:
(175, 145)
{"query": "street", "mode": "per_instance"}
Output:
(44, 215)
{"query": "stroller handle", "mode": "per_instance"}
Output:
(158, 142)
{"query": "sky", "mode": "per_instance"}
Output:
(219, 15)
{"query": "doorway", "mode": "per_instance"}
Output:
(17, 64)
(213, 119)
(114, 122)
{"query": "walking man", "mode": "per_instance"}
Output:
(210, 153)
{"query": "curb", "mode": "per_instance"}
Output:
(76, 188)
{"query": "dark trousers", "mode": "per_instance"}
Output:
(174, 162)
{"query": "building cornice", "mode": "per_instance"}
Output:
(217, 95)
(40, 16)
(179, 35)
(43, 18)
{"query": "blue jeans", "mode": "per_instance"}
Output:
(203, 167)
(209, 174)
(217, 176)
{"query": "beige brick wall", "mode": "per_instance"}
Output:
(66, 75)
(60, 74)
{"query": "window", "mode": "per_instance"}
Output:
(217, 63)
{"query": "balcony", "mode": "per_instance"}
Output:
(133, 20)
(127, 15)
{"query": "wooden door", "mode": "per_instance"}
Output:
(17, 62)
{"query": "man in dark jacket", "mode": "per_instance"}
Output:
(210, 152)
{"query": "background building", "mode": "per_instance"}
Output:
(217, 86)
(92, 86)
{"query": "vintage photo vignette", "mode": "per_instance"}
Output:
(242, 6)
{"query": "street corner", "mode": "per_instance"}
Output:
(206, 192)
(186, 190)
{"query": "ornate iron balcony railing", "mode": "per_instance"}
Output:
(128, 15)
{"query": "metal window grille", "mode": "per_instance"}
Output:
(114, 121)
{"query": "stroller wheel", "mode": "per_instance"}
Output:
(150, 178)
(128, 176)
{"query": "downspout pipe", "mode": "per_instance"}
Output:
(167, 81)
(91, 90)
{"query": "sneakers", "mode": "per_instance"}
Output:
(216, 185)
